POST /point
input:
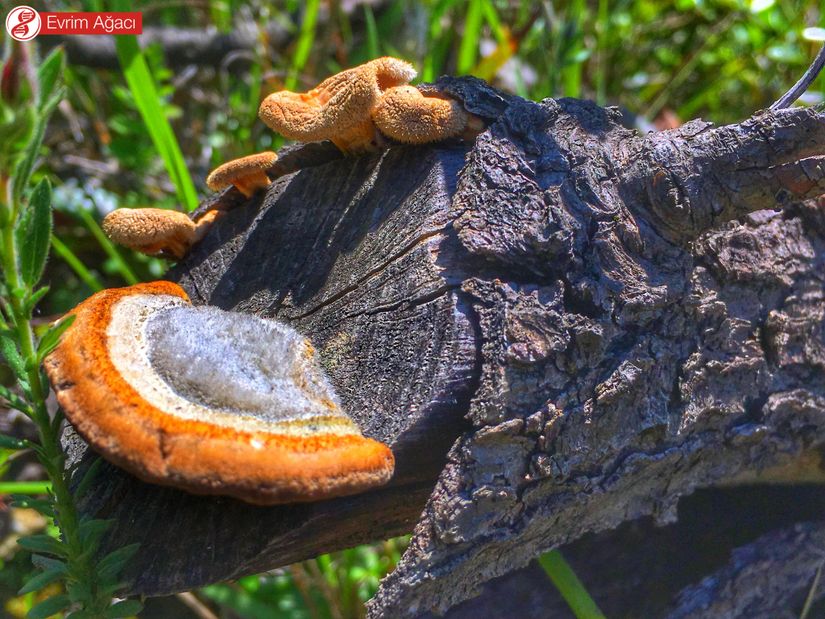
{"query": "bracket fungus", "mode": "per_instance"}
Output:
(209, 401)
(155, 231)
(247, 174)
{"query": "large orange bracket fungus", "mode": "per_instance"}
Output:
(208, 401)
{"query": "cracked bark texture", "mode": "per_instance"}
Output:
(599, 323)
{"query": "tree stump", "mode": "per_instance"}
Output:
(568, 325)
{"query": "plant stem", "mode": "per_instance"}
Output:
(50, 453)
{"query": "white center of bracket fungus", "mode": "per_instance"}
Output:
(229, 369)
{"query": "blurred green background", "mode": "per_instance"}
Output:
(213, 61)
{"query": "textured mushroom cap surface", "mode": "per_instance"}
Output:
(337, 105)
(406, 115)
(224, 175)
(209, 401)
(150, 230)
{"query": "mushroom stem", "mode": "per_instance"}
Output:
(251, 183)
(358, 140)
(204, 223)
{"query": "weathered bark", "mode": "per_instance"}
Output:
(641, 569)
(564, 298)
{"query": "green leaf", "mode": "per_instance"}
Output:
(46, 563)
(49, 106)
(34, 231)
(80, 588)
(12, 356)
(10, 442)
(88, 478)
(57, 421)
(34, 299)
(25, 165)
(112, 564)
(5, 213)
(50, 73)
(49, 607)
(16, 129)
(42, 579)
(109, 590)
(43, 506)
(44, 544)
(126, 608)
(92, 530)
(51, 338)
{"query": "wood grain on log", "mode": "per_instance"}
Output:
(563, 297)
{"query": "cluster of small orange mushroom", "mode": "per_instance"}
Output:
(359, 110)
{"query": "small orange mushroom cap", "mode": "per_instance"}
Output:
(208, 401)
(339, 108)
(406, 115)
(248, 174)
(151, 230)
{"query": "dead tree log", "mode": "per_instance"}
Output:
(599, 323)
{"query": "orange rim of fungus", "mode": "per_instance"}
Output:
(196, 456)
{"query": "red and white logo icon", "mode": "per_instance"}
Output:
(23, 23)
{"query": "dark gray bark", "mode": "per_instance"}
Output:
(565, 299)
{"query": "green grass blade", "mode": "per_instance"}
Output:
(306, 39)
(602, 31)
(811, 597)
(120, 264)
(572, 73)
(569, 585)
(86, 276)
(373, 44)
(24, 487)
(494, 21)
(468, 50)
(147, 100)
